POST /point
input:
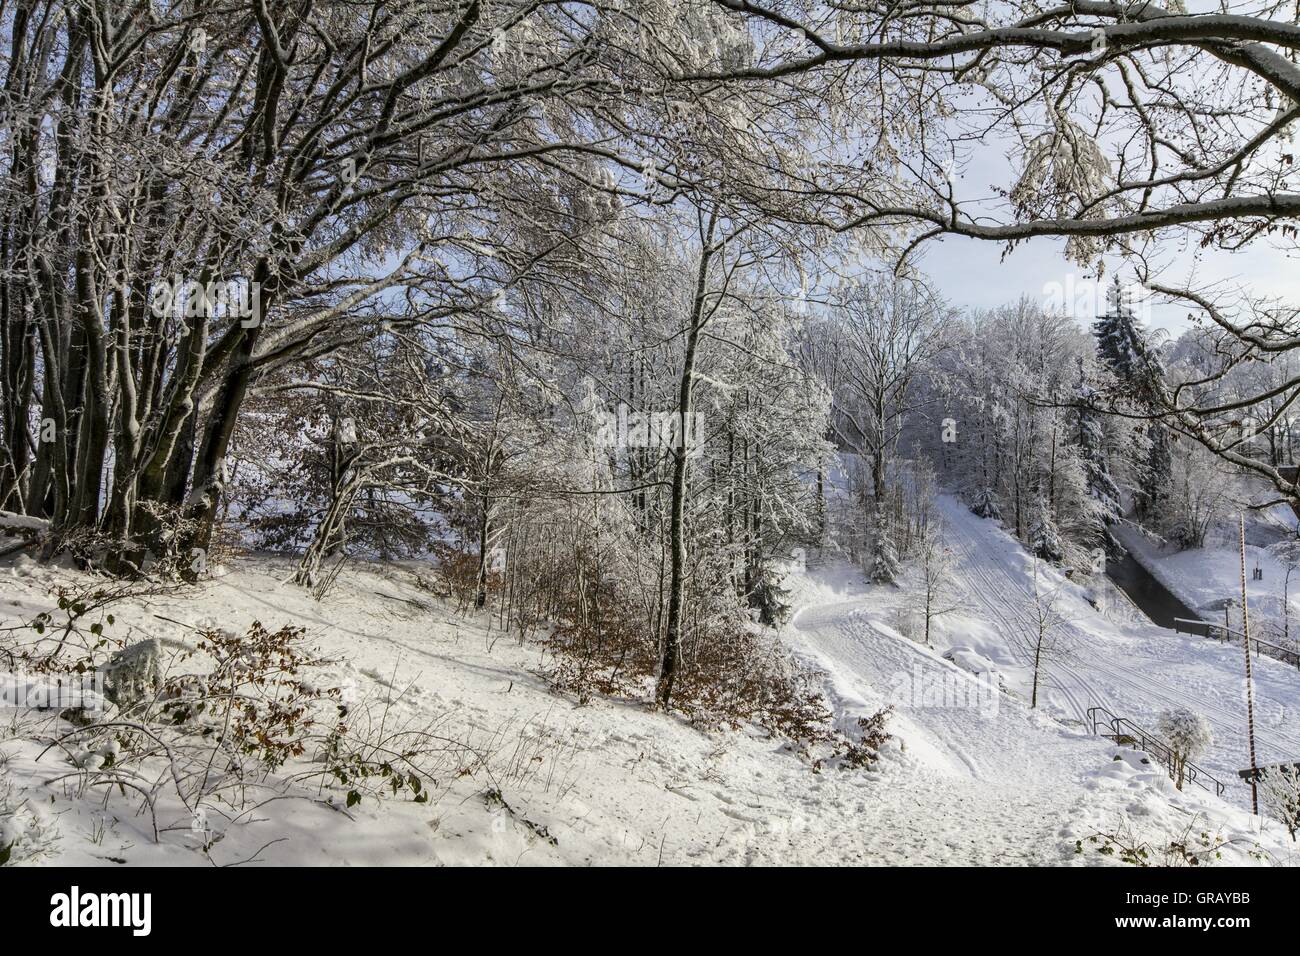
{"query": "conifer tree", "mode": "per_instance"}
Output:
(1124, 348)
(884, 552)
(985, 504)
(1044, 538)
(1092, 452)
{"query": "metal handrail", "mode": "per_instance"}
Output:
(1122, 729)
(1287, 655)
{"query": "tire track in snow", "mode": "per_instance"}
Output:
(1024, 625)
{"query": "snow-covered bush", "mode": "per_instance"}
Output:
(583, 576)
(237, 721)
(1280, 789)
(254, 700)
(985, 504)
(26, 833)
(731, 671)
(1197, 844)
(865, 751)
(1188, 735)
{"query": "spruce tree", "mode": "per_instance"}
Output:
(985, 504)
(1092, 452)
(1157, 475)
(884, 553)
(1044, 539)
(1123, 347)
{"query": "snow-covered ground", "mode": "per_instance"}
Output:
(972, 776)
(1117, 659)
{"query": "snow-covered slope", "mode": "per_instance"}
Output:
(981, 778)
(1118, 661)
(614, 782)
(606, 783)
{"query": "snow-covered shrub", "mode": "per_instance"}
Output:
(865, 751)
(458, 575)
(1195, 845)
(1188, 735)
(26, 834)
(243, 719)
(72, 643)
(255, 700)
(1280, 789)
(985, 505)
(731, 672)
(590, 591)
(1044, 539)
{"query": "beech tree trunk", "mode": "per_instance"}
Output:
(670, 647)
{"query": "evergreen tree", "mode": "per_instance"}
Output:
(1123, 347)
(1044, 538)
(1157, 475)
(986, 504)
(1092, 452)
(884, 552)
(768, 597)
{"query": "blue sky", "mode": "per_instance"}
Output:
(974, 273)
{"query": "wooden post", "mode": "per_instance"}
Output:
(1250, 686)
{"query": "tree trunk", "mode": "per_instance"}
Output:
(484, 535)
(670, 649)
(1038, 656)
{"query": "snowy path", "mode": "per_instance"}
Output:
(983, 779)
(1134, 670)
(982, 785)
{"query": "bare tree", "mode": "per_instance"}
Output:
(1045, 635)
(887, 329)
(725, 249)
(936, 592)
(1127, 128)
(197, 197)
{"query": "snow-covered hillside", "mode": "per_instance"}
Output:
(972, 776)
(1119, 660)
